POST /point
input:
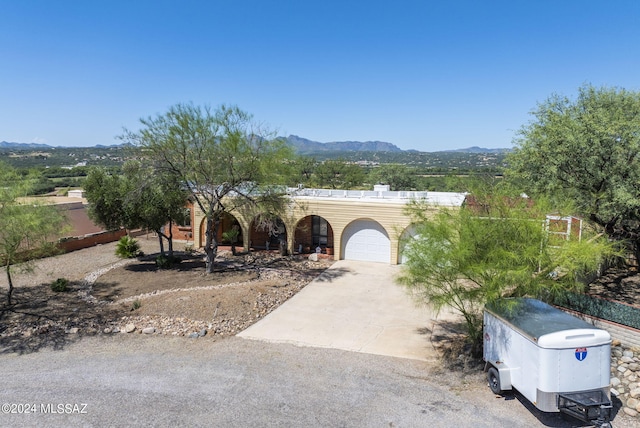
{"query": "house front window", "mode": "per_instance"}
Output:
(319, 231)
(185, 221)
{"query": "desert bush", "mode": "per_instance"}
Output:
(127, 248)
(60, 285)
(166, 262)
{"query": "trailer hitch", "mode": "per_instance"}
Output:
(593, 407)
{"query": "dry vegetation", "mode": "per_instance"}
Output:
(178, 301)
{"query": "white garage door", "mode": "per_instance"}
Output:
(366, 240)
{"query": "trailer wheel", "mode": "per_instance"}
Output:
(494, 381)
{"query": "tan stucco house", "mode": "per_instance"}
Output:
(350, 224)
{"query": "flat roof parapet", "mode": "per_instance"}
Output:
(436, 198)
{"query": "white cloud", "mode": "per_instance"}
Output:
(39, 140)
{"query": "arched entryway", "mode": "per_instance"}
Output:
(267, 235)
(227, 223)
(312, 232)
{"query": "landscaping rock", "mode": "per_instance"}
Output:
(148, 330)
(626, 362)
(129, 328)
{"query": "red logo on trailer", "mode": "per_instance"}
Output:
(581, 354)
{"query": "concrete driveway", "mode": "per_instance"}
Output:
(353, 306)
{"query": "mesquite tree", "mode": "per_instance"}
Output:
(224, 159)
(586, 150)
(138, 198)
(27, 228)
(497, 247)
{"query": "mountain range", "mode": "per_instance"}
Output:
(305, 146)
(302, 146)
(8, 145)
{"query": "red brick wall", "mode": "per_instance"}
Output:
(182, 233)
(84, 232)
(78, 243)
(259, 238)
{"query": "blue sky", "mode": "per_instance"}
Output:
(424, 75)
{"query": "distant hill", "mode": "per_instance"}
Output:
(476, 149)
(23, 146)
(304, 146)
(34, 146)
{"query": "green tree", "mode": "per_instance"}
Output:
(154, 200)
(26, 228)
(496, 247)
(397, 176)
(105, 193)
(225, 160)
(302, 170)
(586, 150)
(338, 174)
(139, 198)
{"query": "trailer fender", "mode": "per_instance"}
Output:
(504, 373)
(505, 378)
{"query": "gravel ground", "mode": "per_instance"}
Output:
(76, 265)
(151, 381)
(106, 295)
(133, 380)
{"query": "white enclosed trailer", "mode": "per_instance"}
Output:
(557, 361)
